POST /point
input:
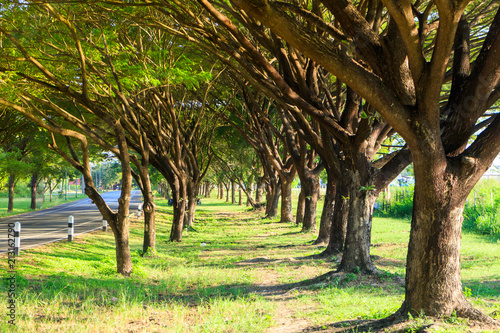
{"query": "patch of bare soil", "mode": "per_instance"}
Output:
(280, 294)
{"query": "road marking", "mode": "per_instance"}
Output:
(60, 229)
(81, 202)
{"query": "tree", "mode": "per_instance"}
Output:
(351, 133)
(402, 72)
(20, 142)
(62, 116)
(236, 159)
(254, 117)
(40, 164)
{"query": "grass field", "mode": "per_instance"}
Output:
(234, 273)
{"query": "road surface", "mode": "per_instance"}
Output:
(50, 225)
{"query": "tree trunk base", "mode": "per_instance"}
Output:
(365, 270)
(469, 312)
(327, 255)
(320, 242)
(463, 310)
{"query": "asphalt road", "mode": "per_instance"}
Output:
(50, 225)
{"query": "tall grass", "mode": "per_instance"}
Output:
(481, 213)
(396, 202)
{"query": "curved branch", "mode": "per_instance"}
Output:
(402, 13)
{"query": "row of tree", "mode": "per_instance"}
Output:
(308, 85)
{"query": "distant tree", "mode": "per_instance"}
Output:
(19, 145)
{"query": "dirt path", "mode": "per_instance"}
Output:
(287, 321)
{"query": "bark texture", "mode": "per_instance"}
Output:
(327, 214)
(299, 216)
(286, 198)
(11, 185)
(33, 190)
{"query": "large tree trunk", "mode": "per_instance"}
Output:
(339, 223)
(210, 187)
(190, 212)
(301, 208)
(233, 192)
(179, 196)
(123, 256)
(149, 208)
(206, 189)
(433, 277)
(310, 184)
(273, 192)
(191, 205)
(33, 189)
(258, 191)
(327, 214)
(220, 191)
(12, 184)
(286, 198)
(356, 255)
(433, 284)
(119, 222)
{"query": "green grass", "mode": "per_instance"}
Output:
(22, 205)
(219, 278)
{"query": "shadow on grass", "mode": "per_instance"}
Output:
(107, 289)
(386, 262)
(75, 292)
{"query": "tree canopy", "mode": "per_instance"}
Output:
(308, 85)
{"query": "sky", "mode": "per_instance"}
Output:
(496, 163)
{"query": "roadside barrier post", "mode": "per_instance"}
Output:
(139, 210)
(104, 225)
(71, 228)
(17, 238)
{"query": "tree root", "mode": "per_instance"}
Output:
(320, 242)
(322, 255)
(469, 312)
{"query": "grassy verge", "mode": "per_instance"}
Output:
(223, 277)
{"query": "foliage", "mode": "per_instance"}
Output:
(20, 190)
